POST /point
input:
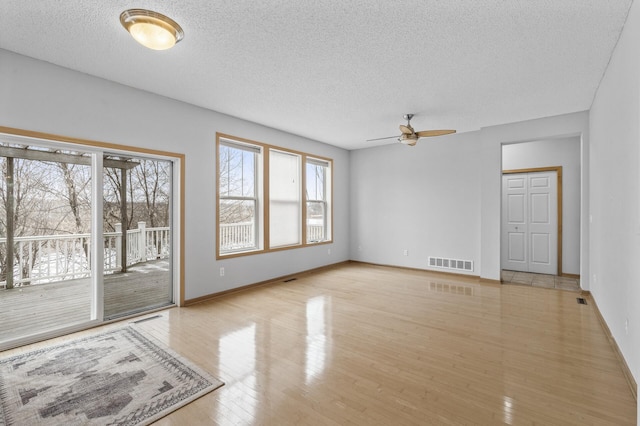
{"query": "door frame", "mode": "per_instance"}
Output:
(558, 170)
(177, 220)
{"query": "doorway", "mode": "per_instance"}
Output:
(532, 220)
(561, 154)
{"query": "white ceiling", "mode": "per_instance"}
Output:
(341, 71)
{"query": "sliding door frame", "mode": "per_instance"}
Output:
(97, 150)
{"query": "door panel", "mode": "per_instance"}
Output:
(530, 222)
(516, 182)
(539, 181)
(516, 204)
(45, 249)
(137, 223)
(514, 227)
(543, 222)
(540, 206)
(540, 249)
(517, 247)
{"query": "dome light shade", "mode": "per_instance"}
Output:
(408, 139)
(151, 29)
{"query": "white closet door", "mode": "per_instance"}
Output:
(543, 222)
(530, 222)
(514, 222)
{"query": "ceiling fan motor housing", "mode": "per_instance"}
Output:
(408, 139)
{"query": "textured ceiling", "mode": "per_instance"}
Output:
(341, 71)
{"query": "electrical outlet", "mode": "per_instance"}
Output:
(626, 326)
(359, 248)
(328, 251)
(222, 271)
(406, 252)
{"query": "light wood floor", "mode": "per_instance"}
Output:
(367, 345)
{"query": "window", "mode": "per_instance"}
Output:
(318, 175)
(238, 196)
(270, 198)
(285, 207)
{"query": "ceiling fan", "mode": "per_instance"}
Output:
(410, 136)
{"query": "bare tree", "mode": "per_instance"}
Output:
(148, 194)
(152, 179)
(34, 210)
(236, 179)
(76, 182)
(112, 199)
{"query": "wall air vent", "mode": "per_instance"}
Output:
(447, 263)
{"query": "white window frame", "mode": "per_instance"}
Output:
(324, 201)
(256, 198)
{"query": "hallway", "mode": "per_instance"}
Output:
(540, 280)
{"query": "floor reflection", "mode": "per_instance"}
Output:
(508, 409)
(317, 337)
(237, 352)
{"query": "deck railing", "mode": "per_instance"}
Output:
(315, 233)
(238, 236)
(48, 258)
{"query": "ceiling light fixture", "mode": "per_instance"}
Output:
(408, 139)
(151, 29)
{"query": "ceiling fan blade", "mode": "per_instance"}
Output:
(428, 133)
(407, 130)
(379, 139)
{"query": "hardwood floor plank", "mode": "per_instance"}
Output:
(367, 345)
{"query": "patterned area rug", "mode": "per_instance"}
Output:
(118, 377)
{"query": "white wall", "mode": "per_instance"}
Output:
(563, 152)
(39, 96)
(442, 197)
(424, 199)
(615, 193)
(567, 125)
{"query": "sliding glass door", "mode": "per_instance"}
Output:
(137, 229)
(45, 239)
(85, 236)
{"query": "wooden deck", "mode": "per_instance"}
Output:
(39, 308)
